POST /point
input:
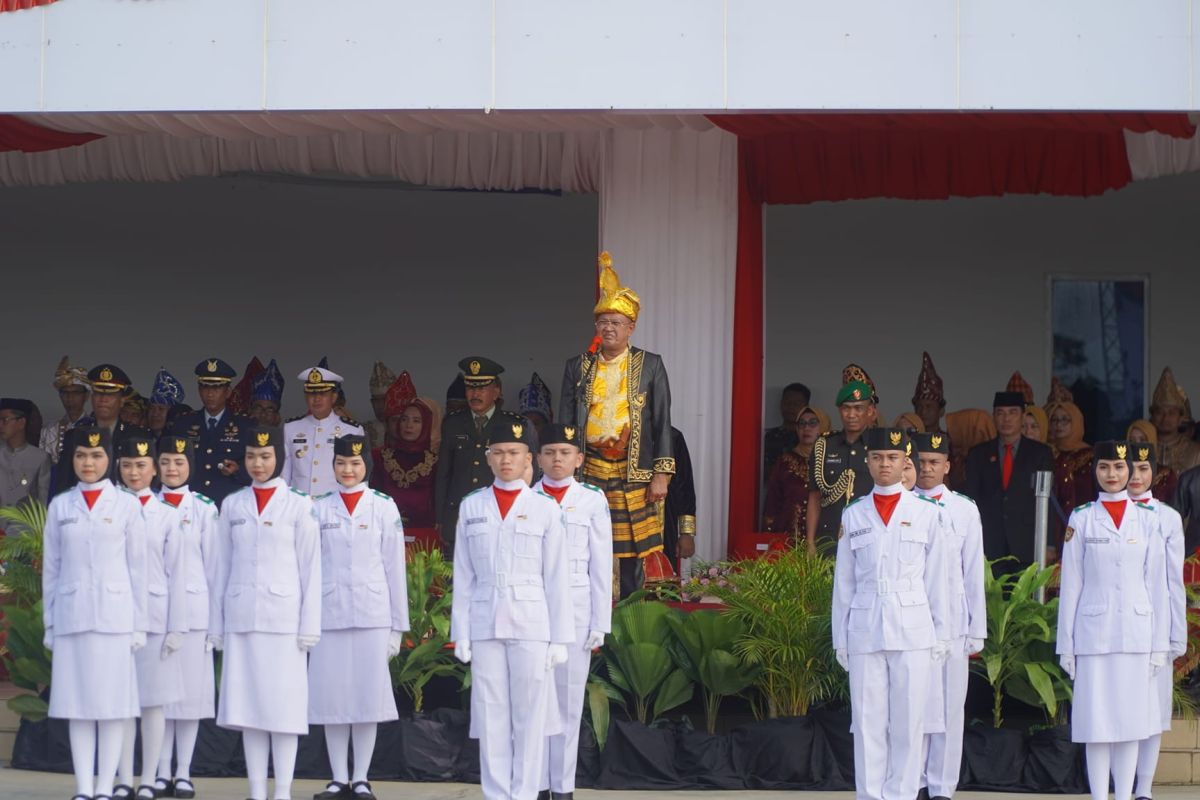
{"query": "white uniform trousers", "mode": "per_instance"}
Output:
(944, 718)
(887, 706)
(568, 689)
(508, 700)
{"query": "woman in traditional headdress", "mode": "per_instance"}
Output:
(1073, 484)
(786, 507)
(406, 466)
(1165, 479)
(1036, 425)
(967, 427)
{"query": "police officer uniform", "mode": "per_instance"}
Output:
(838, 467)
(890, 624)
(945, 715)
(513, 611)
(309, 466)
(589, 556)
(364, 613)
(462, 464)
(104, 379)
(218, 439)
(1171, 524)
(198, 526)
(1113, 627)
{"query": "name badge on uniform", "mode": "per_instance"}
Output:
(236, 522)
(859, 532)
(1096, 539)
(108, 520)
(267, 522)
(328, 525)
(905, 524)
(69, 521)
(362, 526)
(299, 440)
(476, 520)
(522, 516)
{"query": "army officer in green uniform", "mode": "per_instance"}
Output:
(837, 467)
(462, 458)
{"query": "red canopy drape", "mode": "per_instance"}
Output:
(806, 158)
(17, 134)
(17, 5)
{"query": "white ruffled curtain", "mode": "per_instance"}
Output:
(668, 216)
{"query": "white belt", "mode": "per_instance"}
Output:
(502, 579)
(889, 587)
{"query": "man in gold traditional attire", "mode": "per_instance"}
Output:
(1171, 413)
(619, 396)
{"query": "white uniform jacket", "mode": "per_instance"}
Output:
(589, 554)
(890, 590)
(269, 570)
(362, 563)
(1172, 530)
(94, 563)
(964, 564)
(308, 457)
(510, 575)
(1113, 593)
(198, 522)
(166, 576)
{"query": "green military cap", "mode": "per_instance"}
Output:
(853, 392)
(479, 371)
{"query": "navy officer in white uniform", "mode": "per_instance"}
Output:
(944, 716)
(590, 575)
(890, 618)
(512, 615)
(309, 463)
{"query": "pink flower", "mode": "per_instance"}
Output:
(704, 581)
(713, 571)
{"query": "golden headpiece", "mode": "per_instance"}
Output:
(1168, 393)
(615, 298)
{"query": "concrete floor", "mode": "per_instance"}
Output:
(26, 785)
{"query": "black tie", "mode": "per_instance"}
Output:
(212, 423)
(480, 422)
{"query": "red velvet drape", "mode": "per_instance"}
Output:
(806, 158)
(16, 5)
(17, 134)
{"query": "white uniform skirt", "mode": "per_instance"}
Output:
(1165, 686)
(92, 676)
(348, 678)
(199, 683)
(264, 683)
(160, 680)
(1116, 699)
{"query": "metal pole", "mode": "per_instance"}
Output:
(1043, 483)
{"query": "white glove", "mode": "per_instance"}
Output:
(1068, 665)
(138, 641)
(462, 651)
(1157, 661)
(1177, 649)
(171, 642)
(594, 639)
(940, 651)
(306, 643)
(48, 639)
(395, 642)
(555, 654)
(213, 642)
(973, 646)
(843, 658)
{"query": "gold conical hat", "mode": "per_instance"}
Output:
(615, 298)
(1168, 393)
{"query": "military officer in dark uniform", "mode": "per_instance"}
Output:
(110, 387)
(218, 432)
(462, 463)
(837, 467)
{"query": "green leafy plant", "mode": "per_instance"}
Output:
(424, 654)
(21, 552)
(1018, 656)
(28, 662)
(704, 649)
(638, 662)
(783, 603)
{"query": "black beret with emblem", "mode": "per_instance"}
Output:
(177, 445)
(1143, 451)
(511, 430)
(557, 433)
(1114, 450)
(1008, 400)
(92, 437)
(214, 372)
(352, 445)
(264, 436)
(108, 379)
(931, 443)
(138, 444)
(479, 371)
(886, 439)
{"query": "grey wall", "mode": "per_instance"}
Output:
(166, 274)
(877, 282)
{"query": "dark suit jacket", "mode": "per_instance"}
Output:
(649, 409)
(680, 505)
(226, 441)
(1008, 516)
(462, 462)
(1187, 502)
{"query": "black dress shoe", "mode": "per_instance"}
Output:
(145, 792)
(164, 787)
(923, 794)
(939, 797)
(122, 791)
(562, 796)
(183, 789)
(364, 795)
(544, 794)
(334, 791)
(81, 797)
